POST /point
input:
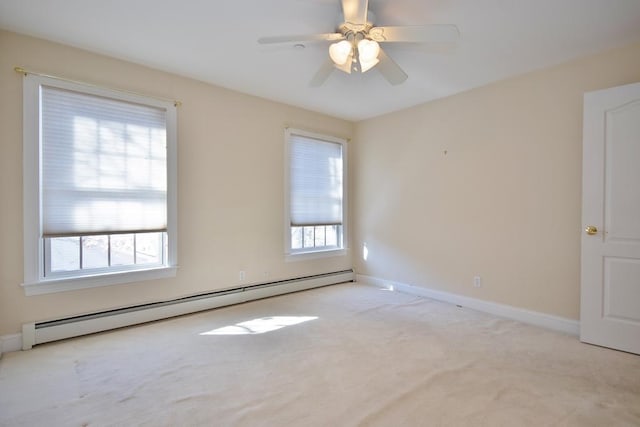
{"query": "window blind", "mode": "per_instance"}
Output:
(315, 181)
(104, 165)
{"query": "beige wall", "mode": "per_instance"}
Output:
(488, 183)
(230, 182)
(503, 202)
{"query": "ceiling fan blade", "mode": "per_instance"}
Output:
(390, 70)
(301, 38)
(322, 74)
(355, 11)
(445, 33)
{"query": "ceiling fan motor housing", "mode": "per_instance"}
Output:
(355, 32)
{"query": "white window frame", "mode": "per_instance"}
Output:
(35, 282)
(312, 253)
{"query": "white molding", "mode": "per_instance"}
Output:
(86, 282)
(28, 335)
(548, 321)
(33, 254)
(9, 343)
(290, 255)
(306, 256)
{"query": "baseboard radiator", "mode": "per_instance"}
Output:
(53, 330)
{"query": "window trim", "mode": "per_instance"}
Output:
(34, 280)
(300, 255)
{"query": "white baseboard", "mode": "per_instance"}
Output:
(536, 318)
(9, 343)
(41, 332)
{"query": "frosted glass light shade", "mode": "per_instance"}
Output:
(368, 51)
(339, 52)
(366, 66)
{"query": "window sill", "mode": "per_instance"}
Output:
(75, 283)
(304, 256)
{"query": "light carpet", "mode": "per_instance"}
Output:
(345, 355)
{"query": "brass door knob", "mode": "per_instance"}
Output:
(591, 230)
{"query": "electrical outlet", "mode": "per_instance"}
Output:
(241, 275)
(477, 281)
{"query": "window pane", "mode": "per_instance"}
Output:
(296, 237)
(332, 235)
(122, 249)
(149, 248)
(165, 247)
(308, 237)
(95, 251)
(319, 240)
(65, 253)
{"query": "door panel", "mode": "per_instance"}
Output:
(621, 290)
(622, 152)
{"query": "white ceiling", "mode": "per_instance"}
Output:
(215, 41)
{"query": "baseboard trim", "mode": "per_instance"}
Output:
(9, 343)
(530, 317)
(57, 329)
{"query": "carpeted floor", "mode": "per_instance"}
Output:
(343, 355)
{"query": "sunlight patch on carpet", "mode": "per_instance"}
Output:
(260, 326)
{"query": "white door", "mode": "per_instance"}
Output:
(610, 281)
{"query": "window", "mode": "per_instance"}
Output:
(99, 186)
(316, 202)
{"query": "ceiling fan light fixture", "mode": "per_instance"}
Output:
(339, 52)
(368, 51)
(354, 43)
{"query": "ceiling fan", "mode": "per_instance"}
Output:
(356, 42)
